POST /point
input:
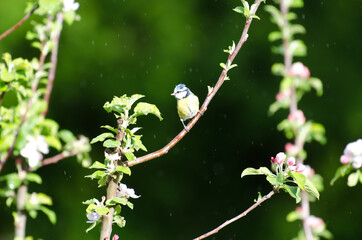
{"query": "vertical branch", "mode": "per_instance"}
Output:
(54, 60)
(298, 141)
(107, 221)
(20, 219)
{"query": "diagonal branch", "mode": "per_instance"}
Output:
(209, 97)
(35, 7)
(243, 214)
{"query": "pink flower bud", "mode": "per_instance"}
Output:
(308, 171)
(345, 159)
(272, 159)
(300, 168)
(315, 222)
(115, 237)
(291, 161)
(297, 116)
(299, 70)
(280, 157)
(291, 149)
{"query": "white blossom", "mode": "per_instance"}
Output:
(353, 152)
(33, 150)
(70, 5)
(123, 191)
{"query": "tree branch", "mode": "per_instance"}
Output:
(57, 158)
(208, 99)
(54, 60)
(243, 214)
(288, 59)
(35, 7)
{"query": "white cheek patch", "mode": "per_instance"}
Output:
(181, 95)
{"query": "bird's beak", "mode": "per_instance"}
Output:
(173, 94)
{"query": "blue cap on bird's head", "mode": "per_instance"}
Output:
(180, 91)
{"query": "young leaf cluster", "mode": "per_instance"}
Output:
(284, 179)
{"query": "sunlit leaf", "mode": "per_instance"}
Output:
(143, 108)
(50, 214)
(102, 137)
(352, 179)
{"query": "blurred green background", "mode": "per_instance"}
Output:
(147, 47)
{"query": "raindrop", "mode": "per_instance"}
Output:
(65, 173)
(170, 214)
(101, 75)
(92, 42)
(132, 54)
(209, 181)
(157, 66)
(106, 44)
(327, 45)
(190, 69)
(154, 136)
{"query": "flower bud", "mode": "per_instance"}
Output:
(345, 159)
(299, 70)
(300, 168)
(280, 157)
(291, 161)
(291, 148)
(297, 116)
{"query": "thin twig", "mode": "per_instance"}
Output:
(209, 97)
(243, 214)
(54, 60)
(20, 22)
(57, 158)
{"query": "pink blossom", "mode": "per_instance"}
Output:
(345, 159)
(291, 161)
(272, 159)
(300, 168)
(299, 70)
(280, 96)
(315, 222)
(308, 171)
(115, 237)
(291, 148)
(280, 157)
(297, 116)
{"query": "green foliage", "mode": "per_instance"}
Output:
(344, 170)
(287, 180)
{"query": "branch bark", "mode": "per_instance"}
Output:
(107, 220)
(53, 60)
(243, 214)
(209, 97)
(10, 30)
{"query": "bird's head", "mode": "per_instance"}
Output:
(181, 91)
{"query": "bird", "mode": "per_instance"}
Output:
(187, 103)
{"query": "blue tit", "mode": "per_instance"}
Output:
(187, 103)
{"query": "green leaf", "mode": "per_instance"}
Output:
(97, 165)
(317, 84)
(91, 227)
(299, 179)
(96, 175)
(274, 36)
(110, 128)
(311, 189)
(116, 200)
(102, 137)
(293, 191)
(129, 155)
(273, 180)
(125, 170)
(239, 9)
(143, 108)
(296, 4)
(276, 15)
(119, 221)
(50, 214)
(33, 177)
(117, 210)
(298, 48)
(67, 136)
(48, 7)
(253, 171)
(352, 179)
(130, 205)
(318, 133)
(341, 172)
(278, 69)
(54, 142)
(102, 210)
(110, 143)
(293, 216)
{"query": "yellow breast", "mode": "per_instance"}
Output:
(188, 107)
